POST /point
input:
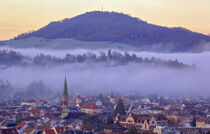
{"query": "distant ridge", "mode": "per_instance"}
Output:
(118, 27)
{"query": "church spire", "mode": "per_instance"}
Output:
(65, 107)
(65, 91)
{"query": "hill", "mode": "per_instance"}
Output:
(118, 27)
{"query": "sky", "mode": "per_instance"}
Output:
(18, 16)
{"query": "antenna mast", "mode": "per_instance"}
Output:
(102, 6)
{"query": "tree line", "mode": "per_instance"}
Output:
(114, 58)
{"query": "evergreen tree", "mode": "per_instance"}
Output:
(91, 122)
(110, 121)
(120, 109)
(18, 118)
(193, 123)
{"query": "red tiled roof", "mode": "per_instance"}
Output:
(61, 129)
(141, 118)
(49, 131)
(89, 105)
(166, 110)
(20, 125)
(203, 119)
(35, 110)
(28, 130)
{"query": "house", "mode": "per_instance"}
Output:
(90, 108)
(35, 112)
(8, 131)
(203, 123)
(27, 60)
(165, 130)
(78, 99)
(57, 130)
(48, 131)
(192, 130)
(61, 130)
(142, 122)
(21, 127)
(156, 110)
(99, 103)
(28, 104)
(208, 115)
(178, 118)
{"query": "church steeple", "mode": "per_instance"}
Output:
(65, 91)
(65, 105)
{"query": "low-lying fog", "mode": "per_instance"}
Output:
(199, 59)
(130, 79)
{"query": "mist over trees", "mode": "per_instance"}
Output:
(34, 89)
(37, 89)
(10, 57)
(114, 58)
(5, 88)
(102, 72)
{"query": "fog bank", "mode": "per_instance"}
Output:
(130, 79)
(199, 59)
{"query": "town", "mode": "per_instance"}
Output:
(104, 67)
(105, 114)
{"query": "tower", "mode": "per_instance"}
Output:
(109, 54)
(65, 101)
(102, 7)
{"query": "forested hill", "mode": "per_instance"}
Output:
(118, 27)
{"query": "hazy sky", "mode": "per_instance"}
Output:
(18, 16)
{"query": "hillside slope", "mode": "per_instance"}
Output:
(117, 27)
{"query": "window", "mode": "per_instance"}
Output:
(130, 121)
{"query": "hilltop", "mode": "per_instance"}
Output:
(117, 27)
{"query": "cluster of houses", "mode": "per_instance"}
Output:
(176, 116)
(104, 115)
